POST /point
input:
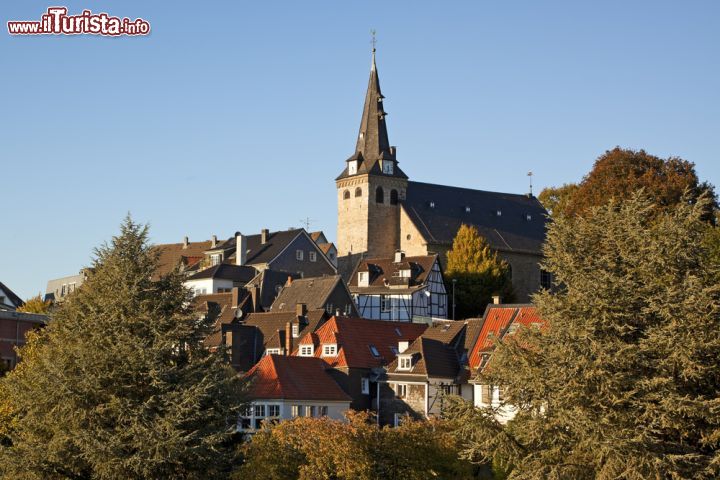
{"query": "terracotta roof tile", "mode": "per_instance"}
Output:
(174, 254)
(294, 378)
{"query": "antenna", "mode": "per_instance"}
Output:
(530, 174)
(306, 223)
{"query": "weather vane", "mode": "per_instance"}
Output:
(374, 40)
(529, 174)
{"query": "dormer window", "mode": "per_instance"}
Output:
(405, 362)
(329, 350)
(307, 350)
(528, 217)
(295, 330)
(387, 167)
(363, 279)
(467, 209)
(216, 259)
(499, 213)
(406, 273)
(352, 167)
(432, 204)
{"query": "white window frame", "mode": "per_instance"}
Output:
(272, 351)
(299, 255)
(401, 390)
(307, 350)
(310, 410)
(385, 303)
(363, 279)
(405, 362)
(330, 350)
(365, 386)
(296, 411)
(312, 256)
(269, 410)
(295, 330)
(216, 259)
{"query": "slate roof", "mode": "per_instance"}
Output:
(355, 336)
(313, 292)
(438, 211)
(261, 253)
(223, 301)
(271, 325)
(373, 144)
(442, 350)
(236, 273)
(294, 378)
(270, 282)
(384, 274)
(11, 296)
(173, 254)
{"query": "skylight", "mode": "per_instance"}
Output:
(374, 351)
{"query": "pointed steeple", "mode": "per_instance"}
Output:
(373, 143)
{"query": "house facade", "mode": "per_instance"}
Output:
(400, 288)
(427, 370)
(14, 326)
(285, 387)
(380, 210)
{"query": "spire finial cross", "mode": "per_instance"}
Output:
(530, 174)
(374, 40)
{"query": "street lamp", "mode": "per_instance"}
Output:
(454, 281)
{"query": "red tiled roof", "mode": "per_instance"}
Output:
(497, 322)
(294, 378)
(497, 318)
(355, 336)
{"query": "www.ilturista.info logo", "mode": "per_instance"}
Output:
(57, 22)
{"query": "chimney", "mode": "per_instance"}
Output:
(288, 338)
(255, 296)
(289, 281)
(264, 236)
(213, 242)
(240, 248)
(497, 299)
(301, 309)
(403, 345)
(185, 242)
(399, 256)
(235, 297)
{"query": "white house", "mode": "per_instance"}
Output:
(285, 387)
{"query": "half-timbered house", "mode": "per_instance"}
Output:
(400, 288)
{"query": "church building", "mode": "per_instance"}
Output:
(380, 211)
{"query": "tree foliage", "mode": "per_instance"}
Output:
(619, 173)
(321, 448)
(35, 305)
(557, 200)
(119, 384)
(477, 271)
(625, 382)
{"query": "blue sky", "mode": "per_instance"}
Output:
(236, 115)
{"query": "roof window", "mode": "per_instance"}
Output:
(432, 204)
(528, 217)
(499, 213)
(374, 351)
(467, 209)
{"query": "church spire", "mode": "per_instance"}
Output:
(373, 143)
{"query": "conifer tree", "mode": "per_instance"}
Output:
(478, 273)
(625, 381)
(119, 384)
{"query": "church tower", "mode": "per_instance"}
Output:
(371, 187)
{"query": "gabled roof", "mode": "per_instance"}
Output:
(437, 352)
(262, 253)
(313, 292)
(356, 338)
(227, 313)
(173, 254)
(270, 283)
(11, 296)
(225, 271)
(438, 211)
(294, 378)
(385, 274)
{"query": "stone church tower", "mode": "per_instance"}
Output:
(371, 187)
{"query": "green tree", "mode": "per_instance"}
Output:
(477, 271)
(35, 305)
(625, 382)
(619, 173)
(119, 384)
(557, 200)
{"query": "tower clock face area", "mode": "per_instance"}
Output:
(387, 168)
